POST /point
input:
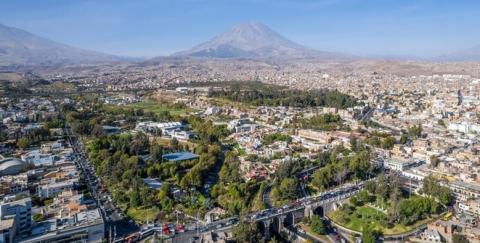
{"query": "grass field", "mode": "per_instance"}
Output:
(306, 228)
(143, 215)
(365, 215)
(156, 107)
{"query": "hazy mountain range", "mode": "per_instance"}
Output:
(250, 40)
(471, 54)
(19, 47)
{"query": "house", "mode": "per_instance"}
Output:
(54, 147)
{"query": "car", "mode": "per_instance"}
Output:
(180, 228)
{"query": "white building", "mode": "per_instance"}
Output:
(182, 135)
(213, 110)
(414, 174)
(167, 128)
(399, 163)
(37, 158)
(241, 125)
(53, 189)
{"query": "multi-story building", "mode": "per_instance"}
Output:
(85, 226)
(471, 207)
(13, 184)
(20, 210)
(465, 190)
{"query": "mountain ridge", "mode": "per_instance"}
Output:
(254, 40)
(469, 54)
(19, 47)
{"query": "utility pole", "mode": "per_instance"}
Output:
(161, 232)
(110, 234)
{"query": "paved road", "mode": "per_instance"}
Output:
(266, 196)
(115, 222)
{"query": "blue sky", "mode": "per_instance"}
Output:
(159, 27)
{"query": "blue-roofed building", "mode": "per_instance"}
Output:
(180, 156)
(152, 183)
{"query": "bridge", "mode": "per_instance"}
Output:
(277, 218)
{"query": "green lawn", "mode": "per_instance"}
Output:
(143, 215)
(307, 228)
(366, 215)
(359, 218)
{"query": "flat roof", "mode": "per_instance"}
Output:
(152, 183)
(6, 223)
(180, 156)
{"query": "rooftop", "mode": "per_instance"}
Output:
(180, 156)
(152, 183)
